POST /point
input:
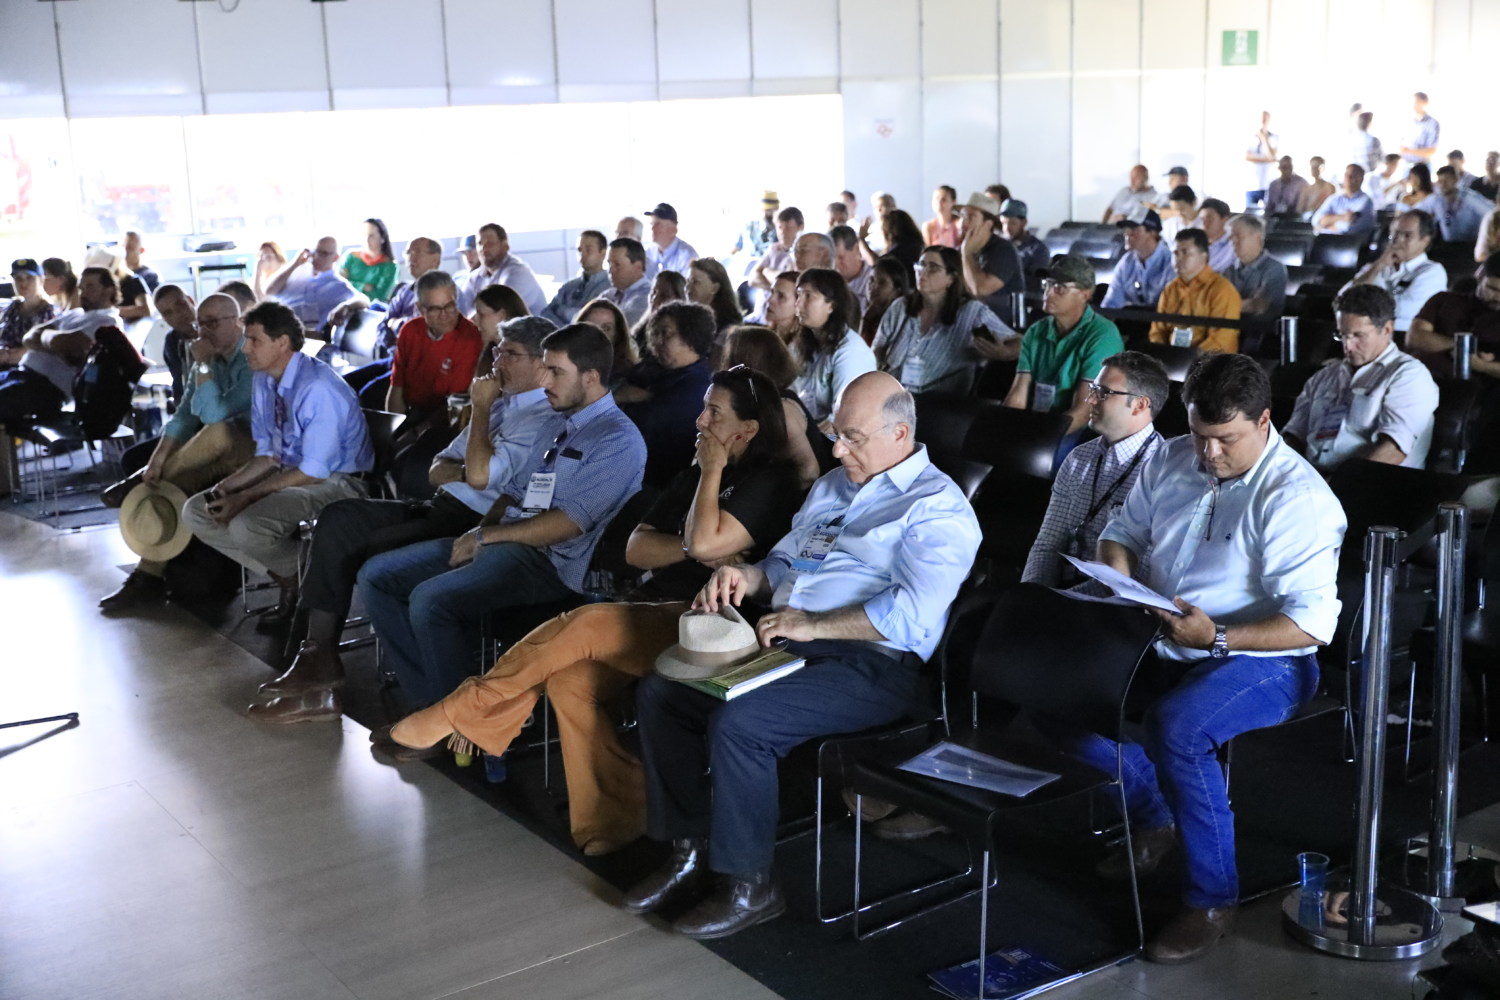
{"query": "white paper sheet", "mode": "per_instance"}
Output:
(1123, 586)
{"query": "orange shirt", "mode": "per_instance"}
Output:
(1208, 294)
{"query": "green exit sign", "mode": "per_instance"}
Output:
(1240, 48)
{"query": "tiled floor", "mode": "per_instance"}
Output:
(169, 848)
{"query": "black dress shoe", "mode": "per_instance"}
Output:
(735, 904)
(114, 494)
(685, 868)
(279, 615)
(1190, 934)
(312, 668)
(138, 588)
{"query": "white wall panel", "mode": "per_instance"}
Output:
(1106, 101)
(960, 136)
(137, 58)
(1172, 34)
(1035, 37)
(485, 66)
(606, 50)
(1234, 96)
(960, 38)
(880, 43)
(386, 53)
(1106, 36)
(29, 82)
(1172, 123)
(883, 141)
(1034, 145)
(795, 45)
(704, 42)
(265, 56)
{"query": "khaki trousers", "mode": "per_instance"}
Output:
(202, 460)
(263, 536)
(583, 659)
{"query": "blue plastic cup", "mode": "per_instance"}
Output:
(494, 769)
(1312, 869)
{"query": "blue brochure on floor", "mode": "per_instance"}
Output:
(1009, 974)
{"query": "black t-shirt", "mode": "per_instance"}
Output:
(999, 257)
(761, 497)
(131, 289)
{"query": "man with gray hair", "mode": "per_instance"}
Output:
(1257, 276)
(812, 250)
(511, 417)
(851, 264)
(436, 352)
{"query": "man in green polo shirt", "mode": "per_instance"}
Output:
(1062, 354)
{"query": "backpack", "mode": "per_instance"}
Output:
(105, 385)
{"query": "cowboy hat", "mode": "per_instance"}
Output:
(151, 521)
(708, 644)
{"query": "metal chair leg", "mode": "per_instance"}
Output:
(984, 917)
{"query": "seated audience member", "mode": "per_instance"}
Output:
(708, 285)
(830, 353)
(1285, 190)
(778, 256)
(760, 232)
(1182, 210)
(429, 599)
(999, 192)
(1459, 212)
(1386, 186)
(180, 314)
(1093, 481)
(630, 228)
(781, 307)
(311, 444)
(667, 286)
(590, 282)
(667, 252)
(1350, 210)
(241, 293)
(1403, 268)
(134, 249)
(851, 265)
(372, 268)
(1430, 336)
(1259, 278)
(52, 353)
(1377, 403)
(1061, 354)
(608, 318)
(1317, 191)
(1197, 291)
(1418, 187)
(1488, 186)
(60, 283)
(759, 347)
(931, 341)
(493, 306)
(468, 255)
(1487, 243)
(1033, 252)
(310, 287)
(1466, 180)
(942, 228)
(736, 503)
(1213, 219)
(134, 299)
(889, 284)
(436, 353)
(1145, 268)
(861, 590)
(812, 250)
(422, 254)
(1422, 140)
(681, 338)
(205, 439)
(629, 289)
(902, 239)
(838, 214)
(1132, 200)
(511, 420)
(1257, 598)
(498, 266)
(991, 264)
(269, 262)
(29, 308)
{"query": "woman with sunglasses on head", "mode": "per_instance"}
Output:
(732, 506)
(935, 339)
(830, 353)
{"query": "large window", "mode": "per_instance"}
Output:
(441, 172)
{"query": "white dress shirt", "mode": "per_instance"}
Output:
(676, 256)
(1411, 285)
(512, 271)
(1261, 544)
(1343, 409)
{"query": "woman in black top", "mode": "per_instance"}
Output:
(760, 348)
(734, 506)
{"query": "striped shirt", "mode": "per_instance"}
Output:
(919, 360)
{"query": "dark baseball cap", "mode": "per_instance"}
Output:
(26, 265)
(1013, 208)
(663, 211)
(1177, 170)
(1073, 270)
(1152, 221)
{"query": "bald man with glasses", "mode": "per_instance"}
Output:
(311, 287)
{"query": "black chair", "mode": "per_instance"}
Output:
(1336, 250)
(1019, 447)
(1177, 360)
(1291, 249)
(1299, 275)
(1026, 658)
(943, 424)
(1060, 240)
(384, 427)
(1287, 381)
(1172, 421)
(1458, 406)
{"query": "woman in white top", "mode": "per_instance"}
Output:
(927, 340)
(830, 353)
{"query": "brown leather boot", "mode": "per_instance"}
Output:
(686, 868)
(735, 904)
(280, 615)
(1190, 934)
(311, 706)
(313, 668)
(1149, 848)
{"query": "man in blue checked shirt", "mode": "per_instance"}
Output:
(860, 587)
(1146, 267)
(311, 444)
(428, 600)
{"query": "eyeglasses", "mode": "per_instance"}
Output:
(447, 307)
(1048, 285)
(856, 439)
(521, 355)
(1103, 392)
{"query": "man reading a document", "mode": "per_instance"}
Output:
(1243, 534)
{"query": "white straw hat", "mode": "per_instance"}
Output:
(708, 644)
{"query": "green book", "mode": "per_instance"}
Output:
(765, 668)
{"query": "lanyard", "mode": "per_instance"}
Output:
(1098, 505)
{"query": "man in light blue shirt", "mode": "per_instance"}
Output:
(591, 282)
(1348, 210)
(1421, 145)
(1146, 267)
(311, 444)
(629, 286)
(860, 588)
(316, 293)
(1458, 212)
(666, 252)
(498, 266)
(511, 418)
(428, 600)
(1243, 535)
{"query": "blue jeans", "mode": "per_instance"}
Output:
(1176, 775)
(428, 616)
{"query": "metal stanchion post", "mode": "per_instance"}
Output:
(1362, 918)
(1453, 523)
(1463, 350)
(1288, 340)
(1018, 310)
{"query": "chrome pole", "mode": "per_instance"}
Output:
(1288, 340)
(1453, 523)
(1018, 311)
(1463, 350)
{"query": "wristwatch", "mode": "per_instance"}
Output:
(202, 368)
(1220, 649)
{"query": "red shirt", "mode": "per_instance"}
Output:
(428, 371)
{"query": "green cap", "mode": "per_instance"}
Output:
(1073, 270)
